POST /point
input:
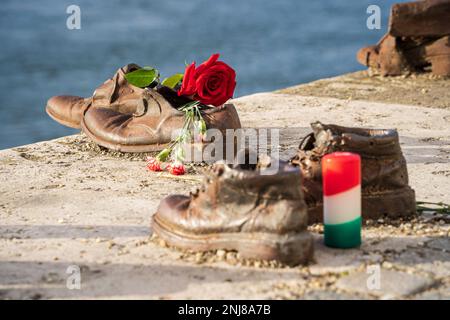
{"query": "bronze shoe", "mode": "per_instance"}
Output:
(247, 209)
(148, 122)
(385, 189)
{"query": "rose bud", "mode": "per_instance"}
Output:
(179, 154)
(200, 130)
(176, 168)
(153, 164)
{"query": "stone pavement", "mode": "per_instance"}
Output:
(66, 202)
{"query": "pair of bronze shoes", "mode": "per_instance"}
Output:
(126, 118)
(418, 39)
(263, 214)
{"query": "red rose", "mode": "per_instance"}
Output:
(213, 82)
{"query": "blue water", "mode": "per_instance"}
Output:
(271, 44)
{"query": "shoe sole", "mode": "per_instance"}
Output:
(290, 249)
(231, 113)
(59, 120)
(132, 148)
(121, 147)
(392, 204)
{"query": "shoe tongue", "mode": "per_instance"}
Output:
(108, 91)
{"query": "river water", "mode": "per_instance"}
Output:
(271, 44)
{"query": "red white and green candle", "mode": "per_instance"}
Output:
(341, 175)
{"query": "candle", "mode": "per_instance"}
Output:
(341, 175)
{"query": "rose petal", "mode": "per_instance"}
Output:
(212, 60)
(188, 85)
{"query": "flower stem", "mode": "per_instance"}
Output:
(191, 114)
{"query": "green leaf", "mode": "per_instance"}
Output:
(143, 77)
(173, 81)
(164, 154)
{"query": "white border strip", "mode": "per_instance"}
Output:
(342, 207)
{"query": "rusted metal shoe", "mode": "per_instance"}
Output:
(385, 189)
(255, 210)
(417, 40)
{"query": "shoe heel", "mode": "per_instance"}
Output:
(393, 204)
(440, 65)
